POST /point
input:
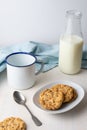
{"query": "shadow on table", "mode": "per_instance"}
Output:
(3, 76)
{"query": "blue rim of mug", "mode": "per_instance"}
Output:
(20, 53)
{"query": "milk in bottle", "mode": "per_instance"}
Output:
(70, 54)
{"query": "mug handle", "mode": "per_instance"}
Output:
(42, 65)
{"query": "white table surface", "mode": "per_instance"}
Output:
(75, 119)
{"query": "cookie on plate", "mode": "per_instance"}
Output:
(12, 123)
(74, 95)
(50, 99)
(67, 90)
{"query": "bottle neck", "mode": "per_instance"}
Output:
(73, 26)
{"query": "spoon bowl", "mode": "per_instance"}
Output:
(20, 99)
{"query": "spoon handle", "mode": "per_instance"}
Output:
(34, 118)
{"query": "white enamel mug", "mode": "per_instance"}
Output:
(21, 70)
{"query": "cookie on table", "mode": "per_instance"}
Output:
(12, 123)
(50, 99)
(67, 90)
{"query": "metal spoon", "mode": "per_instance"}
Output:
(20, 99)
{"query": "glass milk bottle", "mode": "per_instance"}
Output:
(71, 44)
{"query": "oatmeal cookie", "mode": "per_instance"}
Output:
(50, 99)
(74, 95)
(68, 91)
(12, 123)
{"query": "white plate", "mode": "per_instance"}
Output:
(65, 107)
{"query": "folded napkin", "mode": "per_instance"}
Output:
(48, 53)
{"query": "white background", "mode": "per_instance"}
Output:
(38, 20)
